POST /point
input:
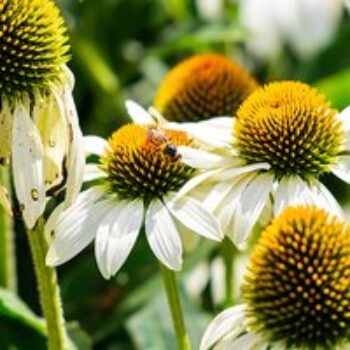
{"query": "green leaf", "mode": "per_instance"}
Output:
(14, 308)
(19, 326)
(336, 87)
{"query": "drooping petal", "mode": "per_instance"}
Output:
(117, 235)
(95, 145)
(28, 166)
(76, 155)
(229, 206)
(162, 235)
(195, 216)
(226, 322)
(342, 168)
(137, 113)
(250, 206)
(248, 341)
(74, 228)
(295, 191)
(217, 194)
(6, 122)
(49, 117)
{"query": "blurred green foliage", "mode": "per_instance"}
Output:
(122, 49)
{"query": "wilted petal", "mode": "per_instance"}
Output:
(28, 166)
(48, 115)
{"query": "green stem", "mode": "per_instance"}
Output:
(8, 278)
(172, 292)
(228, 253)
(49, 292)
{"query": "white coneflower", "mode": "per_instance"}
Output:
(284, 138)
(296, 290)
(306, 26)
(138, 176)
(39, 127)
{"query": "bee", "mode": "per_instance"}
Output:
(157, 137)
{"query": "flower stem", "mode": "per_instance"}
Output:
(49, 292)
(8, 278)
(228, 254)
(172, 292)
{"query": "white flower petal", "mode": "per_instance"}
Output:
(230, 173)
(28, 166)
(157, 116)
(215, 132)
(248, 341)
(93, 172)
(328, 202)
(250, 206)
(196, 181)
(197, 158)
(193, 215)
(342, 168)
(162, 235)
(294, 191)
(74, 228)
(76, 155)
(226, 322)
(137, 113)
(95, 145)
(344, 118)
(229, 206)
(117, 235)
(217, 194)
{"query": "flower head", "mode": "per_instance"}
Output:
(142, 161)
(138, 177)
(296, 290)
(202, 87)
(33, 46)
(290, 126)
(285, 137)
(39, 125)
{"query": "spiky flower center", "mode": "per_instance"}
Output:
(202, 87)
(33, 45)
(298, 280)
(291, 127)
(142, 161)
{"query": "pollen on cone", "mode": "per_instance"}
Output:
(204, 86)
(142, 161)
(297, 285)
(33, 45)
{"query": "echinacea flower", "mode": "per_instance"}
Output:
(138, 177)
(296, 293)
(39, 127)
(284, 138)
(306, 26)
(202, 87)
